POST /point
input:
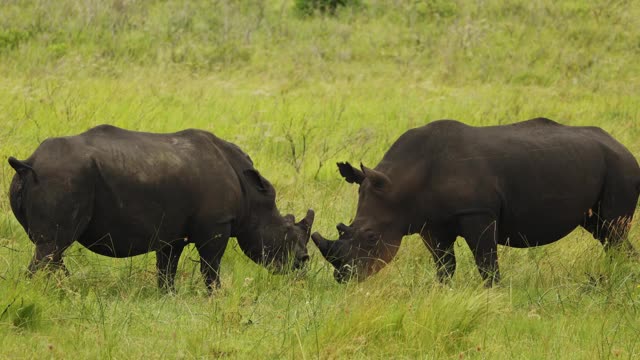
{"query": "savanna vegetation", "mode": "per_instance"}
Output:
(298, 90)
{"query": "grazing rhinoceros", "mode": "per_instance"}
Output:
(122, 193)
(519, 185)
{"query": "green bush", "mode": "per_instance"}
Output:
(10, 39)
(437, 8)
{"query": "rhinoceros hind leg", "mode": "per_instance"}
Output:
(615, 210)
(613, 235)
(612, 231)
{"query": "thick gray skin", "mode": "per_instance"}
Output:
(520, 185)
(122, 193)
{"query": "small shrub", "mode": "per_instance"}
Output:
(10, 39)
(439, 8)
(24, 316)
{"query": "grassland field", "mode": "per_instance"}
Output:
(299, 93)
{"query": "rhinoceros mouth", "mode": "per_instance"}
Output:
(300, 263)
(344, 274)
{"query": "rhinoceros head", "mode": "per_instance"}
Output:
(295, 236)
(268, 238)
(373, 239)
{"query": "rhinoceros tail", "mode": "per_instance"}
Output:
(22, 167)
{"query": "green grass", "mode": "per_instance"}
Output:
(332, 88)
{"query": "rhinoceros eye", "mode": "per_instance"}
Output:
(371, 236)
(343, 229)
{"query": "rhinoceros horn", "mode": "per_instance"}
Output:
(327, 249)
(307, 222)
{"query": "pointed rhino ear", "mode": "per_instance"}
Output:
(378, 180)
(18, 165)
(22, 168)
(350, 174)
(254, 178)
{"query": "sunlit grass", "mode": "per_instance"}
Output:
(333, 89)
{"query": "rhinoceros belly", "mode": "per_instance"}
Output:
(133, 223)
(543, 222)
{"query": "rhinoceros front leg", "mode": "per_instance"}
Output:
(211, 242)
(48, 256)
(51, 240)
(481, 234)
(440, 243)
(58, 214)
(167, 264)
